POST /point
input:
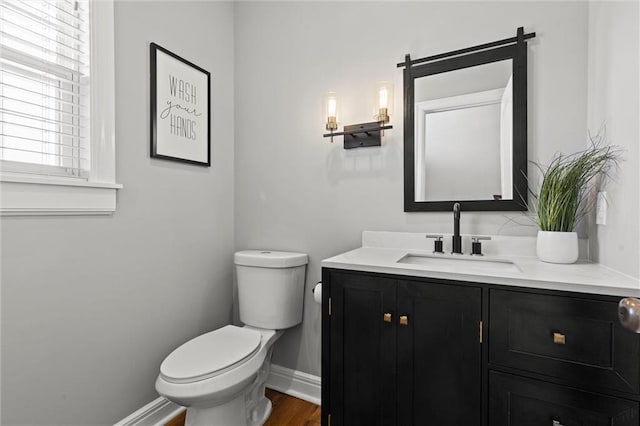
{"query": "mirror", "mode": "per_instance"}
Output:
(466, 129)
(480, 97)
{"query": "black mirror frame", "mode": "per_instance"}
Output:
(516, 51)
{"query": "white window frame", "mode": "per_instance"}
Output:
(27, 194)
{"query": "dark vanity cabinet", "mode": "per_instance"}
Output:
(569, 361)
(402, 351)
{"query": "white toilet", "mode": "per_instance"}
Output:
(219, 376)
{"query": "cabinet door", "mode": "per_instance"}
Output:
(362, 353)
(439, 354)
(515, 401)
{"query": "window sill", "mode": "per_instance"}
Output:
(36, 195)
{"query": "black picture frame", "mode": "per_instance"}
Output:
(178, 111)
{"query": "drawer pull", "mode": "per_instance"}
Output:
(387, 317)
(404, 320)
(559, 339)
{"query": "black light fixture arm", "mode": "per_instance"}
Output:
(361, 135)
(363, 130)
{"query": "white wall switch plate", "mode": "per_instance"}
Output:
(601, 208)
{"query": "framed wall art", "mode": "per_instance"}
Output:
(180, 105)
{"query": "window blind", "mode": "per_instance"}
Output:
(44, 86)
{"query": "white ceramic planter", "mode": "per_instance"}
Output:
(557, 247)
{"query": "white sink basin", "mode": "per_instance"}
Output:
(460, 264)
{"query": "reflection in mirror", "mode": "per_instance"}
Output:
(463, 134)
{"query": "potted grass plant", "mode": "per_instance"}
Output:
(566, 196)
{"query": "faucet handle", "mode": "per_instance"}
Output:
(476, 244)
(437, 244)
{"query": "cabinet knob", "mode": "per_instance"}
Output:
(404, 320)
(559, 339)
(387, 317)
(629, 314)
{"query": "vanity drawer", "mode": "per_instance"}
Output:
(577, 340)
(516, 401)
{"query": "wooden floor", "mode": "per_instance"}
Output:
(290, 411)
(287, 411)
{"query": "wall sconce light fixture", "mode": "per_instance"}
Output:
(331, 112)
(363, 134)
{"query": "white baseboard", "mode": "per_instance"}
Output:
(291, 382)
(294, 383)
(156, 413)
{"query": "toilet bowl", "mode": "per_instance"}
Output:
(220, 376)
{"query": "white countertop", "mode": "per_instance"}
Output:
(382, 251)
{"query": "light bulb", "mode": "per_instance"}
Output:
(384, 97)
(332, 106)
(331, 111)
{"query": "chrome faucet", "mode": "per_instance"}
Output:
(457, 239)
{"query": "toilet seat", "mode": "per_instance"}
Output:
(210, 354)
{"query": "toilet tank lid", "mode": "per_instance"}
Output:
(270, 258)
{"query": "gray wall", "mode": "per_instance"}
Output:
(614, 34)
(297, 191)
(91, 305)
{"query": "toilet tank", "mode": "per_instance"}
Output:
(270, 287)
